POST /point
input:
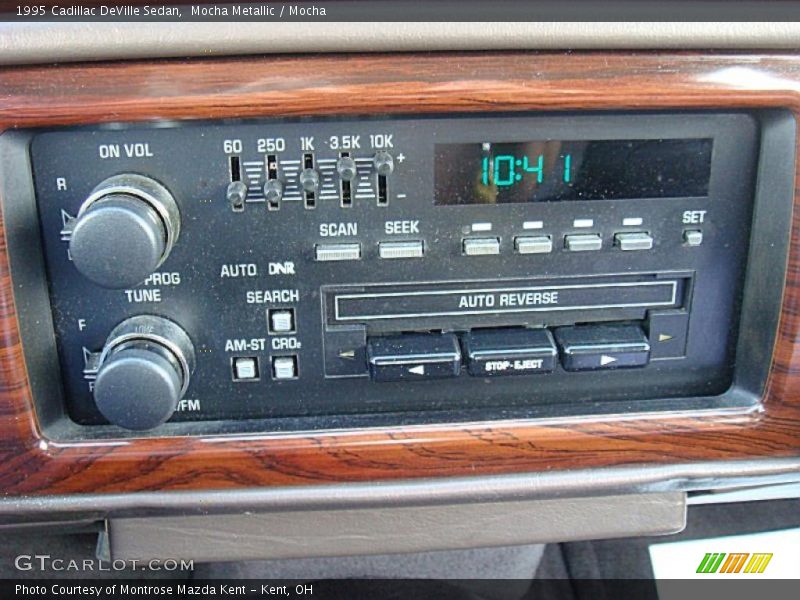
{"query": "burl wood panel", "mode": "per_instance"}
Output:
(290, 86)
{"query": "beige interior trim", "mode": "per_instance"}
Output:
(395, 529)
(26, 43)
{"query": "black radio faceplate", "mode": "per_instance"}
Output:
(339, 267)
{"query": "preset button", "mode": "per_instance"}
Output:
(583, 242)
(634, 240)
(481, 246)
(533, 244)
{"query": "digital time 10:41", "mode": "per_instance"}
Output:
(504, 170)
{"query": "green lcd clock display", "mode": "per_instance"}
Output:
(555, 170)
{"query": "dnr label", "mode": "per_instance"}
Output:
(430, 302)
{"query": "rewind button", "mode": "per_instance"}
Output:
(414, 357)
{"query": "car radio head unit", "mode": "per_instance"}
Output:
(406, 269)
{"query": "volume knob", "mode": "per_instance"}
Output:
(144, 371)
(124, 230)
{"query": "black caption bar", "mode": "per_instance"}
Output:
(398, 11)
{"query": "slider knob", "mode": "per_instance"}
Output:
(144, 371)
(346, 167)
(236, 193)
(273, 190)
(384, 163)
(309, 180)
(124, 231)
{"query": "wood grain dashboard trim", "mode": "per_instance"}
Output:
(352, 85)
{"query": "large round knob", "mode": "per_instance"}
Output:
(124, 230)
(144, 371)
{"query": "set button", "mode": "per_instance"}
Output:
(693, 237)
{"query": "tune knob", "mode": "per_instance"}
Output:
(143, 372)
(124, 230)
